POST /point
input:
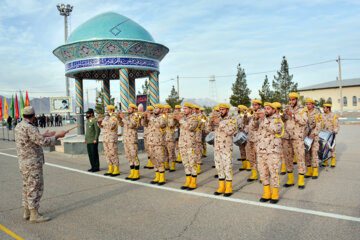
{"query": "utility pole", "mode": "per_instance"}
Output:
(87, 98)
(340, 88)
(178, 90)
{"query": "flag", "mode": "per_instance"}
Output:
(16, 107)
(27, 103)
(12, 108)
(21, 104)
(0, 109)
(6, 107)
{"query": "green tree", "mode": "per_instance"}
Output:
(329, 100)
(266, 93)
(145, 88)
(100, 102)
(321, 102)
(207, 110)
(283, 84)
(240, 89)
(302, 100)
(173, 98)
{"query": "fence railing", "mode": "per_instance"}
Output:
(7, 134)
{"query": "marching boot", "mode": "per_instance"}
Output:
(221, 188)
(157, 178)
(290, 182)
(150, 165)
(301, 182)
(132, 171)
(187, 183)
(167, 167)
(35, 217)
(248, 166)
(136, 175)
(116, 171)
(172, 167)
(198, 168)
(275, 196)
(253, 176)
(325, 163)
(315, 173)
(213, 166)
(309, 172)
(179, 160)
(333, 162)
(294, 161)
(26, 213)
(216, 175)
(162, 180)
(244, 165)
(204, 153)
(267, 194)
(283, 169)
(192, 185)
(110, 171)
(228, 189)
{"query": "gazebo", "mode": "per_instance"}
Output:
(111, 46)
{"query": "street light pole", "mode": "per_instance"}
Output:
(340, 88)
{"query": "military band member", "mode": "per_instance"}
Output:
(242, 118)
(109, 127)
(277, 109)
(178, 159)
(296, 119)
(315, 123)
(29, 143)
(157, 126)
(170, 144)
(204, 152)
(130, 123)
(269, 131)
(198, 138)
(223, 146)
(92, 140)
(149, 109)
(331, 123)
(188, 124)
(216, 110)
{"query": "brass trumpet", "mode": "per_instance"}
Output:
(250, 112)
(281, 112)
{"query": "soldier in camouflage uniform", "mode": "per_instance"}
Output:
(156, 123)
(223, 146)
(296, 119)
(109, 127)
(29, 143)
(170, 145)
(198, 138)
(331, 123)
(277, 109)
(130, 123)
(149, 109)
(188, 124)
(314, 127)
(242, 119)
(178, 159)
(269, 132)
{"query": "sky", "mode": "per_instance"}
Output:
(204, 37)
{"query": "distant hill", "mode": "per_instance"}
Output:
(199, 101)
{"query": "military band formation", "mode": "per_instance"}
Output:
(271, 140)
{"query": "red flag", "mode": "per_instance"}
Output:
(0, 108)
(27, 103)
(16, 107)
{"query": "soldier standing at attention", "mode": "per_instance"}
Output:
(198, 138)
(110, 140)
(331, 123)
(92, 140)
(242, 118)
(149, 109)
(170, 144)
(269, 132)
(29, 143)
(178, 159)
(130, 124)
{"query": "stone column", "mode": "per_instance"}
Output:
(80, 105)
(154, 88)
(106, 91)
(124, 89)
(132, 92)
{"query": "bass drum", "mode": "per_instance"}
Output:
(210, 138)
(239, 138)
(326, 143)
(308, 143)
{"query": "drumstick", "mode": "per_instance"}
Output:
(67, 131)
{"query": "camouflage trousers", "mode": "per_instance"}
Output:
(169, 151)
(146, 144)
(198, 152)
(33, 186)
(291, 146)
(157, 157)
(223, 164)
(312, 157)
(242, 150)
(333, 152)
(111, 153)
(131, 151)
(188, 160)
(251, 154)
(268, 164)
(177, 147)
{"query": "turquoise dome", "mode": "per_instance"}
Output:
(110, 25)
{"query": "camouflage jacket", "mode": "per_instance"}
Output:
(187, 131)
(314, 122)
(224, 134)
(331, 122)
(200, 127)
(109, 127)
(251, 134)
(171, 126)
(296, 127)
(156, 125)
(241, 122)
(268, 134)
(29, 143)
(130, 124)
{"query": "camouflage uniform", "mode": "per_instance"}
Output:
(130, 138)
(314, 127)
(268, 148)
(331, 123)
(146, 142)
(29, 144)
(198, 139)
(109, 127)
(242, 122)
(251, 142)
(169, 150)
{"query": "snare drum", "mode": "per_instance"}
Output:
(240, 138)
(210, 138)
(308, 143)
(326, 143)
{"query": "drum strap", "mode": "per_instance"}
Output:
(319, 117)
(283, 129)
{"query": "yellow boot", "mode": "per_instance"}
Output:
(294, 161)
(325, 163)
(136, 175)
(187, 183)
(283, 169)
(172, 167)
(221, 188)
(179, 160)
(309, 172)
(204, 152)
(192, 185)
(228, 189)
(275, 196)
(301, 182)
(315, 173)
(290, 182)
(35, 217)
(248, 166)
(26, 213)
(110, 171)
(216, 175)
(157, 178)
(132, 170)
(253, 176)
(198, 168)
(333, 162)
(244, 165)
(149, 165)
(267, 194)
(116, 171)
(167, 166)
(162, 180)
